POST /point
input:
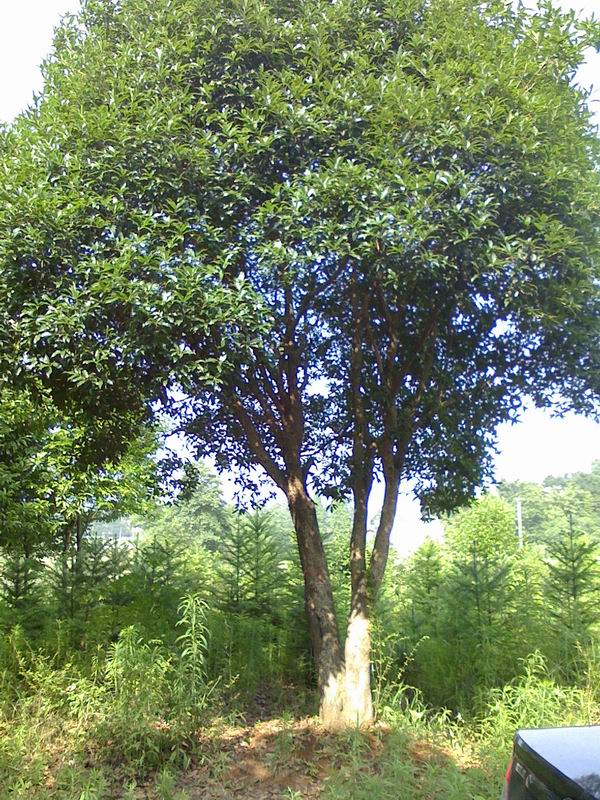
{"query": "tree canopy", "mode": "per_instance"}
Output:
(436, 155)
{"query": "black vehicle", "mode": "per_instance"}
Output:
(554, 764)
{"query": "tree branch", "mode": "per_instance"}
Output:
(256, 445)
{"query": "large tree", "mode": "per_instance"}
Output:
(407, 192)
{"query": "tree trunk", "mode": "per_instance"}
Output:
(358, 706)
(78, 532)
(320, 608)
(358, 703)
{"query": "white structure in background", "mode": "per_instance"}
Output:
(119, 530)
(520, 521)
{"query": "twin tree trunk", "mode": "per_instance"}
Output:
(343, 674)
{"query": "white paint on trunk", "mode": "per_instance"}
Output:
(332, 702)
(358, 704)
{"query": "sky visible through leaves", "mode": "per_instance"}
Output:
(539, 445)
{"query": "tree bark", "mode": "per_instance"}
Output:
(358, 707)
(381, 546)
(358, 703)
(320, 608)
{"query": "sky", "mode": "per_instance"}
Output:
(537, 446)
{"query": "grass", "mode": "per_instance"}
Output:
(47, 754)
(130, 727)
(403, 765)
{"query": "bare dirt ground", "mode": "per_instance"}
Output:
(278, 759)
(269, 759)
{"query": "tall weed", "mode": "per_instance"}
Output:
(536, 700)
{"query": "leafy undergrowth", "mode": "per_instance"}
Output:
(279, 758)
(137, 730)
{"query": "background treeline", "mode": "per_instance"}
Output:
(472, 608)
(456, 618)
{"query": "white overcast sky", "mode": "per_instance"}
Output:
(537, 446)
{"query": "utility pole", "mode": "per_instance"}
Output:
(519, 521)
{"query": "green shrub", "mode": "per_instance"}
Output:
(535, 700)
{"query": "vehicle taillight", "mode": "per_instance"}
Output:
(507, 780)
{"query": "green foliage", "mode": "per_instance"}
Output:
(535, 700)
(199, 518)
(20, 582)
(255, 654)
(331, 241)
(96, 713)
(137, 705)
(126, 219)
(423, 175)
(137, 686)
(50, 488)
(191, 682)
(573, 588)
(459, 602)
(483, 529)
(251, 566)
(407, 765)
(482, 544)
(336, 525)
(424, 583)
(544, 505)
(468, 612)
(458, 757)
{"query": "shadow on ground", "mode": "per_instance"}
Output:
(298, 760)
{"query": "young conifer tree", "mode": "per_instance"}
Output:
(252, 571)
(573, 588)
